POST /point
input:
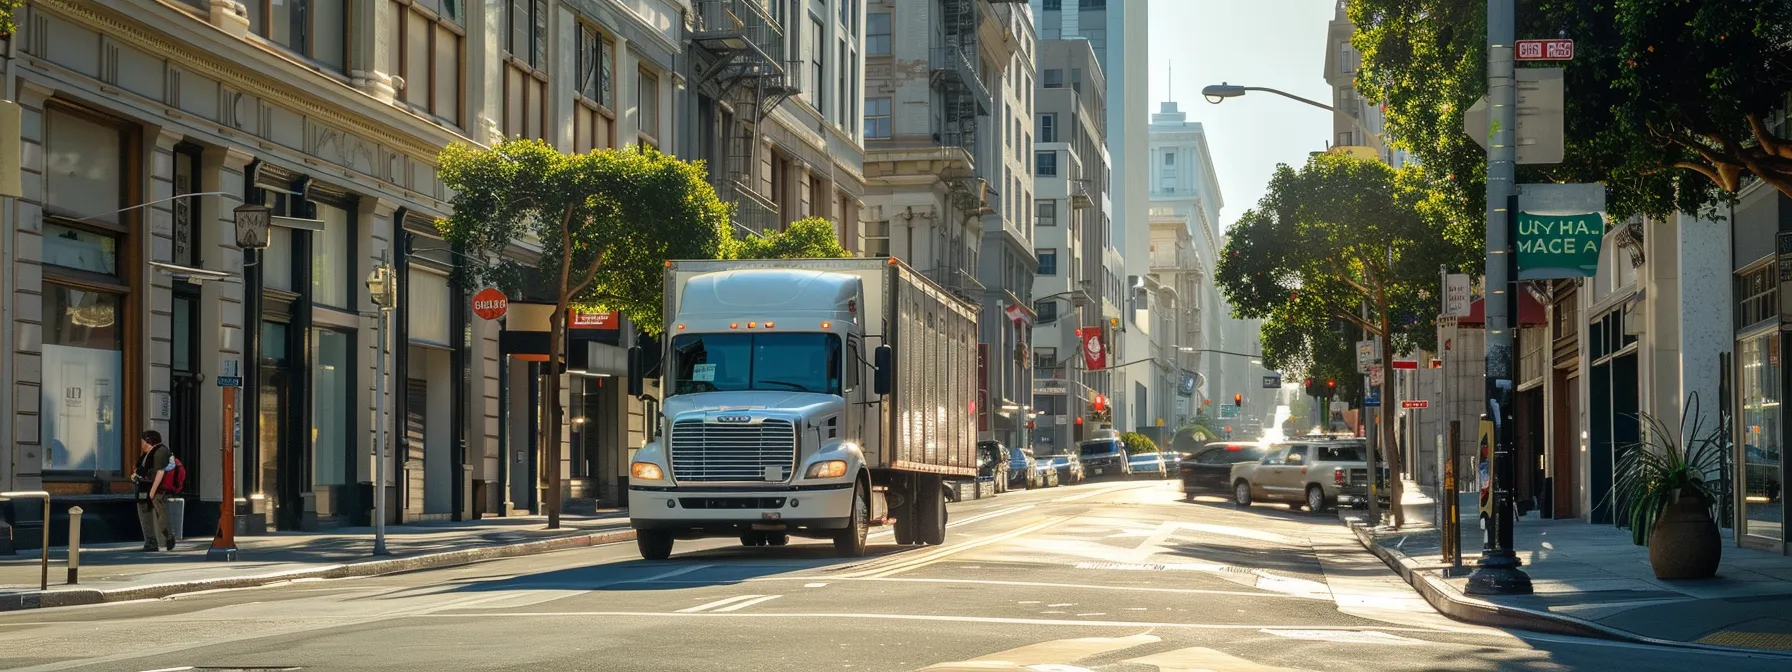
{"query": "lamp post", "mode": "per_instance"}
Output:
(1218, 93)
(382, 285)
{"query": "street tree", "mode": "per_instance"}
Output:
(1669, 102)
(1344, 240)
(809, 238)
(598, 227)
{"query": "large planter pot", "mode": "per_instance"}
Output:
(1685, 543)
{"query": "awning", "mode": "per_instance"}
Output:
(1530, 313)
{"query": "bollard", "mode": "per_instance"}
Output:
(74, 545)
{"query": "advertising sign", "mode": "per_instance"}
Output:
(490, 304)
(1558, 246)
(1094, 355)
(1456, 297)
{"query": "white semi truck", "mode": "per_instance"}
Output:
(807, 397)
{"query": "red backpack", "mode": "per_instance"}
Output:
(176, 480)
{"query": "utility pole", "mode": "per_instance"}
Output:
(1497, 572)
(381, 285)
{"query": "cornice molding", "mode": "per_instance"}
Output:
(89, 14)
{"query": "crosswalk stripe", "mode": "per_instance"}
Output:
(717, 603)
(742, 605)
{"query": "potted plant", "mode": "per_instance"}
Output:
(1665, 489)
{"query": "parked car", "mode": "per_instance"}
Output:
(1148, 465)
(1104, 457)
(1209, 469)
(992, 465)
(1022, 469)
(1315, 474)
(1069, 468)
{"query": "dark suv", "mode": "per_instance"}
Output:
(1104, 457)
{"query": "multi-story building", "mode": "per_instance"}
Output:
(147, 122)
(1116, 31)
(947, 125)
(1071, 239)
(1357, 122)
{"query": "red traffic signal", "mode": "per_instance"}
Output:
(1079, 419)
(1331, 386)
(1100, 404)
(1238, 400)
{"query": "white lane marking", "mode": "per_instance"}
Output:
(1071, 586)
(717, 603)
(815, 585)
(1155, 542)
(663, 575)
(974, 519)
(911, 617)
(742, 605)
(1044, 656)
(943, 552)
(1341, 636)
(1097, 493)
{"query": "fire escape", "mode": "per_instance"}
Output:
(742, 52)
(963, 98)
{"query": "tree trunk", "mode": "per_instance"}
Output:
(1390, 451)
(551, 402)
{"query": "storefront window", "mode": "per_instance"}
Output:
(83, 365)
(1759, 432)
(329, 432)
(330, 266)
(430, 299)
(82, 162)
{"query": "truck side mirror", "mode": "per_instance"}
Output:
(634, 371)
(885, 361)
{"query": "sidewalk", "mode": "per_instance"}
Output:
(117, 572)
(1590, 580)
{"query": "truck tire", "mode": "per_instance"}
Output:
(850, 542)
(1241, 493)
(904, 528)
(654, 544)
(930, 510)
(1315, 499)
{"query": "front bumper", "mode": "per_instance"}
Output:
(725, 512)
(1105, 467)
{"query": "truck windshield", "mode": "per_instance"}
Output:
(790, 362)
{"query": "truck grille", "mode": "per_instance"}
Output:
(716, 452)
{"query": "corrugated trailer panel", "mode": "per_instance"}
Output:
(934, 348)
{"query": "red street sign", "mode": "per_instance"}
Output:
(1545, 50)
(594, 320)
(490, 304)
(1437, 363)
(1406, 364)
(1421, 403)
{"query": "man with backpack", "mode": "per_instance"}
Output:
(157, 473)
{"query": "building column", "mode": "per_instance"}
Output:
(371, 49)
(1706, 321)
(1659, 364)
(26, 286)
(220, 303)
(158, 295)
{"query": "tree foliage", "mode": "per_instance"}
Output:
(1137, 443)
(1350, 241)
(603, 222)
(1668, 101)
(809, 238)
(8, 10)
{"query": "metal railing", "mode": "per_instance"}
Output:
(739, 25)
(952, 62)
(44, 579)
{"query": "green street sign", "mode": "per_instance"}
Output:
(1558, 246)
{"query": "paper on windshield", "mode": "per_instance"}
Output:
(703, 373)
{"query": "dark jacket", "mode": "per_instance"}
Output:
(155, 460)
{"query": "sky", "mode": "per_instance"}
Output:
(1278, 44)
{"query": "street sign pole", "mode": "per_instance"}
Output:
(1498, 572)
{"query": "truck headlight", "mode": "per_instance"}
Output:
(827, 469)
(647, 471)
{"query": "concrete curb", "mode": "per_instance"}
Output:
(370, 567)
(1447, 601)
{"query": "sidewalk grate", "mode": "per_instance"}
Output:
(1774, 641)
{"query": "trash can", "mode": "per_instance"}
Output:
(177, 517)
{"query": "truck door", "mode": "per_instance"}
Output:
(1291, 475)
(860, 415)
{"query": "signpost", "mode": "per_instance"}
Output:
(1538, 108)
(1545, 50)
(1367, 356)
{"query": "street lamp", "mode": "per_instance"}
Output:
(382, 286)
(1218, 93)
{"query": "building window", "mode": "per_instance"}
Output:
(1054, 5)
(877, 118)
(840, 88)
(1048, 163)
(315, 29)
(1169, 158)
(1346, 58)
(1048, 128)
(86, 296)
(525, 71)
(1047, 310)
(594, 115)
(877, 34)
(1048, 262)
(186, 211)
(877, 238)
(426, 51)
(1346, 138)
(333, 403)
(647, 101)
(1054, 78)
(332, 269)
(817, 64)
(1757, 297)
(1048, 212)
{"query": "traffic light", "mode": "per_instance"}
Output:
(1238, 400)
(1313, 388)
(1331, 388)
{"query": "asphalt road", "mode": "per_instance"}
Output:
(1117, 577)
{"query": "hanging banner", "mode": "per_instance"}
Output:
(1558, 246)
(1094, 356)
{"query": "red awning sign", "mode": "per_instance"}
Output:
(594, 320)
(1417, 403)
(1406, 364)
(490, 304)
